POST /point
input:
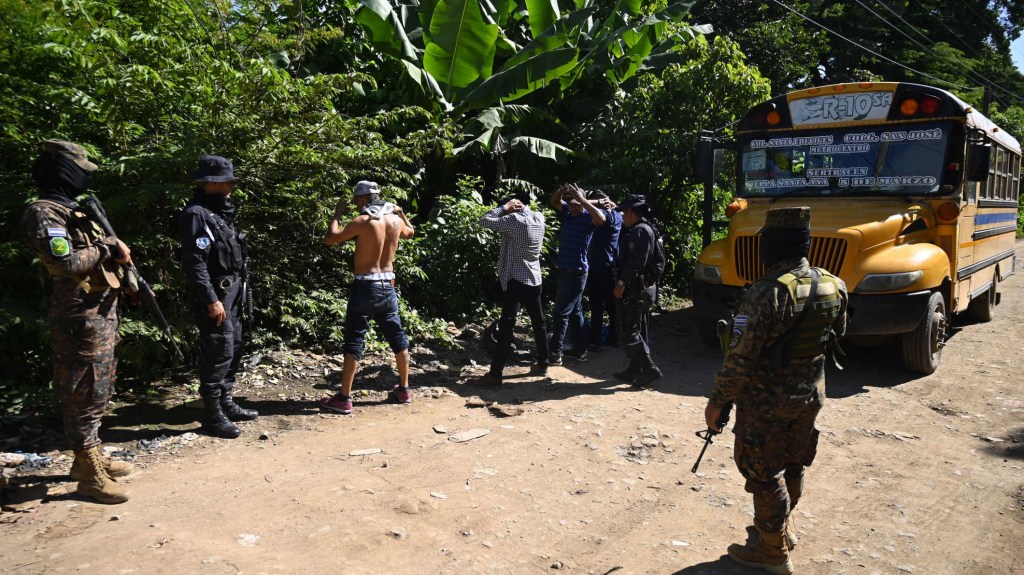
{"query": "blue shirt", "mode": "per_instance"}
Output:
(605, 244)
(575, 239)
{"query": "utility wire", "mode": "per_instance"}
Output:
(869, 50)
(971, 73)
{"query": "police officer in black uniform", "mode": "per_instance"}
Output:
(635, 290)
(213, 262)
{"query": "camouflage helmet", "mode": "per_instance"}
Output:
(71, 151)
(788, 218)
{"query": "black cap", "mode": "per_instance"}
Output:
(214, 169)
(632, 202)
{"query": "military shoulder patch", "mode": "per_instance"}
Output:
(739, 327)
(56, 233)
(60, 247)
(202, 242)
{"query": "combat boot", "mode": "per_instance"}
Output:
(94, 482)
(768, 553)
(234, 411)
(215, 423)
(630, 373)
(648, 373)
(790, 530)
(112, 467)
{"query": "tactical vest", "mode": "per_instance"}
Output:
(226, 251)
(83, 233)
(811, 337)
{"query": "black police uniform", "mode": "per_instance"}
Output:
(212, 259)
(635, 252)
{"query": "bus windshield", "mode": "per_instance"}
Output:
(902, 159)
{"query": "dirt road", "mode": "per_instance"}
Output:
(919, 475)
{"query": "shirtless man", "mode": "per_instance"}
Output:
(376, 230)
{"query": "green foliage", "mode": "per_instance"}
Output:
(148, 86)
(455, 247)
(645, 141)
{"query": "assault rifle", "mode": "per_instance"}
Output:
(708, 434)
(135, 285)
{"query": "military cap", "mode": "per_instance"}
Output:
(788, 218)
(366, 187)
(71, 151)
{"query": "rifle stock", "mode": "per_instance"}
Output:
(136, 286)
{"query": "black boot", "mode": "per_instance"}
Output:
(648, 373)
(234, 411)
(630, 373)
(216, 423)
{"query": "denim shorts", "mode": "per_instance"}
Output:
(376, 300)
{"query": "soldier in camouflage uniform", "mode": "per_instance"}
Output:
(774, 371)
(82, 260)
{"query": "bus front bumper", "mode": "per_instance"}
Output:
(885, 314)
(874, 314)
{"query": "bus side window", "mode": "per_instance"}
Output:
(1015, 186)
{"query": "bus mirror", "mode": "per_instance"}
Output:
(978, 161)
(705, 167)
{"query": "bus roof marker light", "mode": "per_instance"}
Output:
(909, 107)
(930, 105)
(734, 207)
(773, 118)
(866, 84)
(839, 87)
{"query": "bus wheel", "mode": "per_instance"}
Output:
(706, 331)
(922, 348)
(983, 309)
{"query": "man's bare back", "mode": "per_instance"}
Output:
(376, 243)
(376, 238)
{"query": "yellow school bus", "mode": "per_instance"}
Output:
(913, 196)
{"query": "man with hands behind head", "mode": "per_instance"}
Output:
(579, 219)
(522, 237)
(376, 231)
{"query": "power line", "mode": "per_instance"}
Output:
(869, 50)
(970, 73)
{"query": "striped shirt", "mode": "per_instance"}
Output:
(574, 239)
(522, 236)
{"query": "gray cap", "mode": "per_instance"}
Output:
(71, 151)
(366, 187)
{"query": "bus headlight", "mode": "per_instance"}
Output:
(888, 282)
(706, 273)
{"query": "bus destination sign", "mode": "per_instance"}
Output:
(836, 108)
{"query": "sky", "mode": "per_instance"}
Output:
(1017, 51)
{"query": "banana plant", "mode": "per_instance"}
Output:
(473, 55)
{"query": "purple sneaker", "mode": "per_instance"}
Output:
(338, 404)
(400, 394)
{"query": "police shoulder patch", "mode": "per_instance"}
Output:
(60, 247)
(202, 242)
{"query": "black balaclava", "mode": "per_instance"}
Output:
(216, 203)
(779, 244)
(59, 178)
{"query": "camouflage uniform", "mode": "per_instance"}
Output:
(83, 310)
(776, 378)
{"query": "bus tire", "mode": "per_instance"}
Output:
(922, 348)
(706, 331)
(983, 309)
